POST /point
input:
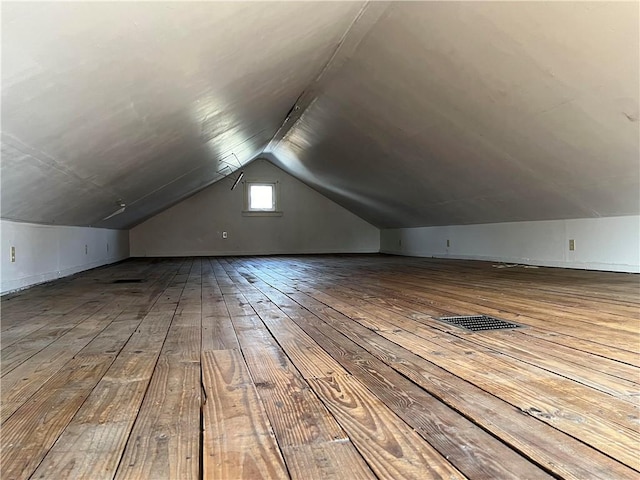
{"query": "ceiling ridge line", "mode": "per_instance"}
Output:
(362, 23)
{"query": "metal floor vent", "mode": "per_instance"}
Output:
(128, 280)
(477, 323)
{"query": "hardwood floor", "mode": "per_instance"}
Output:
(321, 367)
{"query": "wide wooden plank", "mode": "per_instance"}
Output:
(238, 440)
(388, 444)
(550, 398)
(111, 340)
(329, 366)
(307, 356)
(22, 382)
(184, 338)
(12, 332)
(568, 463)
(582, 367)
(165, 440)
(524, 433)
(32, 430)
(237, 304)
(334, 460)
(474, 452)
(20, 351)
(591, 371)
(218, 334)
(297, 415)
(93, 442)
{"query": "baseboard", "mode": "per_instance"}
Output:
(607, 267)
(18, 284)
(250, 253)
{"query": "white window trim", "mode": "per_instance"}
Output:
(262, 213)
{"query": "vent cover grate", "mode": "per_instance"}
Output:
(128, 280)
(477, 323)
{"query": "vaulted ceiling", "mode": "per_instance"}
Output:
(408, 114)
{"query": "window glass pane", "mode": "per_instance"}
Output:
(261, 197)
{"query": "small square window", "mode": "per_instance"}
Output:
(262, 197)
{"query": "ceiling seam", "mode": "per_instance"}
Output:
(350, 39)
(34, 153)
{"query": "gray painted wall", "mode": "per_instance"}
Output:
(610, 243)
(310, 223)
(47, 252)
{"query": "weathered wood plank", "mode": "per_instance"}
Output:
(238, 439)
(32, 430)
(22, 382)
(297, 415)
(388, 444)
(20, 351)
(12, 332)
(218, 334)
(474, 452)
(237, 304)
(335, 460)
(553, 399)
(582, 367)
(165, 440)
(93, 442)
(524, 433)
(307, 356)
(560, 396)
(567, 460)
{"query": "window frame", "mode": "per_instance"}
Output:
(248, 211)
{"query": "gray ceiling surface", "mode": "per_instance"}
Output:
(145, 103)
(408, 114)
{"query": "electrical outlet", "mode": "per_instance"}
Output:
(13, 254)
(224, 234)
(572, 244)
(400, 242)
(448, 243)
(86, 249)
(107, 248)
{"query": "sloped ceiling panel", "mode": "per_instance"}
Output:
(146, 103)
(409, 114)
(459, 113)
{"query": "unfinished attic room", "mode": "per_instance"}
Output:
(320, 240)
